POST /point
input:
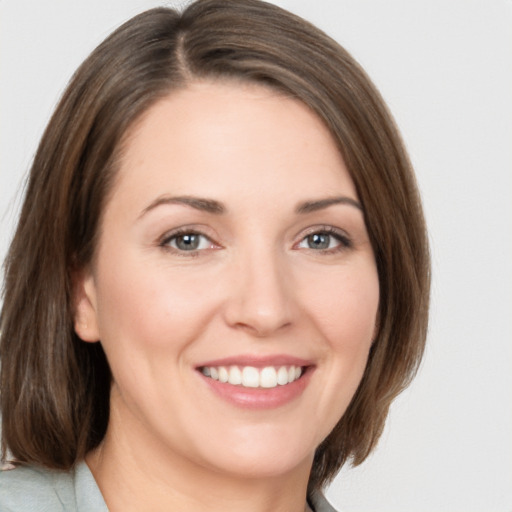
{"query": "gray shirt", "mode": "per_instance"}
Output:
(31, 489)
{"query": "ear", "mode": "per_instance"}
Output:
(85, 306)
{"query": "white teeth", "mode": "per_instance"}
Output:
(251, 377)
(282, 376)
(235, 376)
(268, 377)
(223, 374)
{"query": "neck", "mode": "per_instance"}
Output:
(135, 472)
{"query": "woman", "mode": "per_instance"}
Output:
(219, 280)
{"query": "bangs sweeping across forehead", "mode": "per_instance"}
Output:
(55, 388)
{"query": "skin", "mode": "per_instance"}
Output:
(255, 286)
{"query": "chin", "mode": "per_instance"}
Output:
(264, 457)
(266, 466)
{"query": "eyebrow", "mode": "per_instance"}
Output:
(202, 204)
(213, 206)
(320, 204)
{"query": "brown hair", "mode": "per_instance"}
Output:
(55, 388)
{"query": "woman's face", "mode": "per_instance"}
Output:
(233, 247)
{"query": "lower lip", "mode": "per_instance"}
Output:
(259, 398)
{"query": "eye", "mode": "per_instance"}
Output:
(325, 240)
(188, 241)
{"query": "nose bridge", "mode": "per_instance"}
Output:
(261, 300)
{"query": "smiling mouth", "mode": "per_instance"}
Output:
(267, 377)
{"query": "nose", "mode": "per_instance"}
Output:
(261, 301)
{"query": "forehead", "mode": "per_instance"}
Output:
(213, 138)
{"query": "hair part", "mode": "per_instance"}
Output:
(54, 387)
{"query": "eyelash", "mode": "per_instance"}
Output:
(344, 241)
(166, 240)
(338, 235)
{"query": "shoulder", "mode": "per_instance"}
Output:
(320, 503)
(31, 489)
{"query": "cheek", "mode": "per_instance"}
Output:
(345, 313)
(345, 305)
(150, 307)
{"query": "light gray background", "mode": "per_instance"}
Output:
(445, 68)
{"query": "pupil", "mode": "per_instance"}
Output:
(318, 241)
(187, 242)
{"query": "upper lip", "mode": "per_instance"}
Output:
(258, 361)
